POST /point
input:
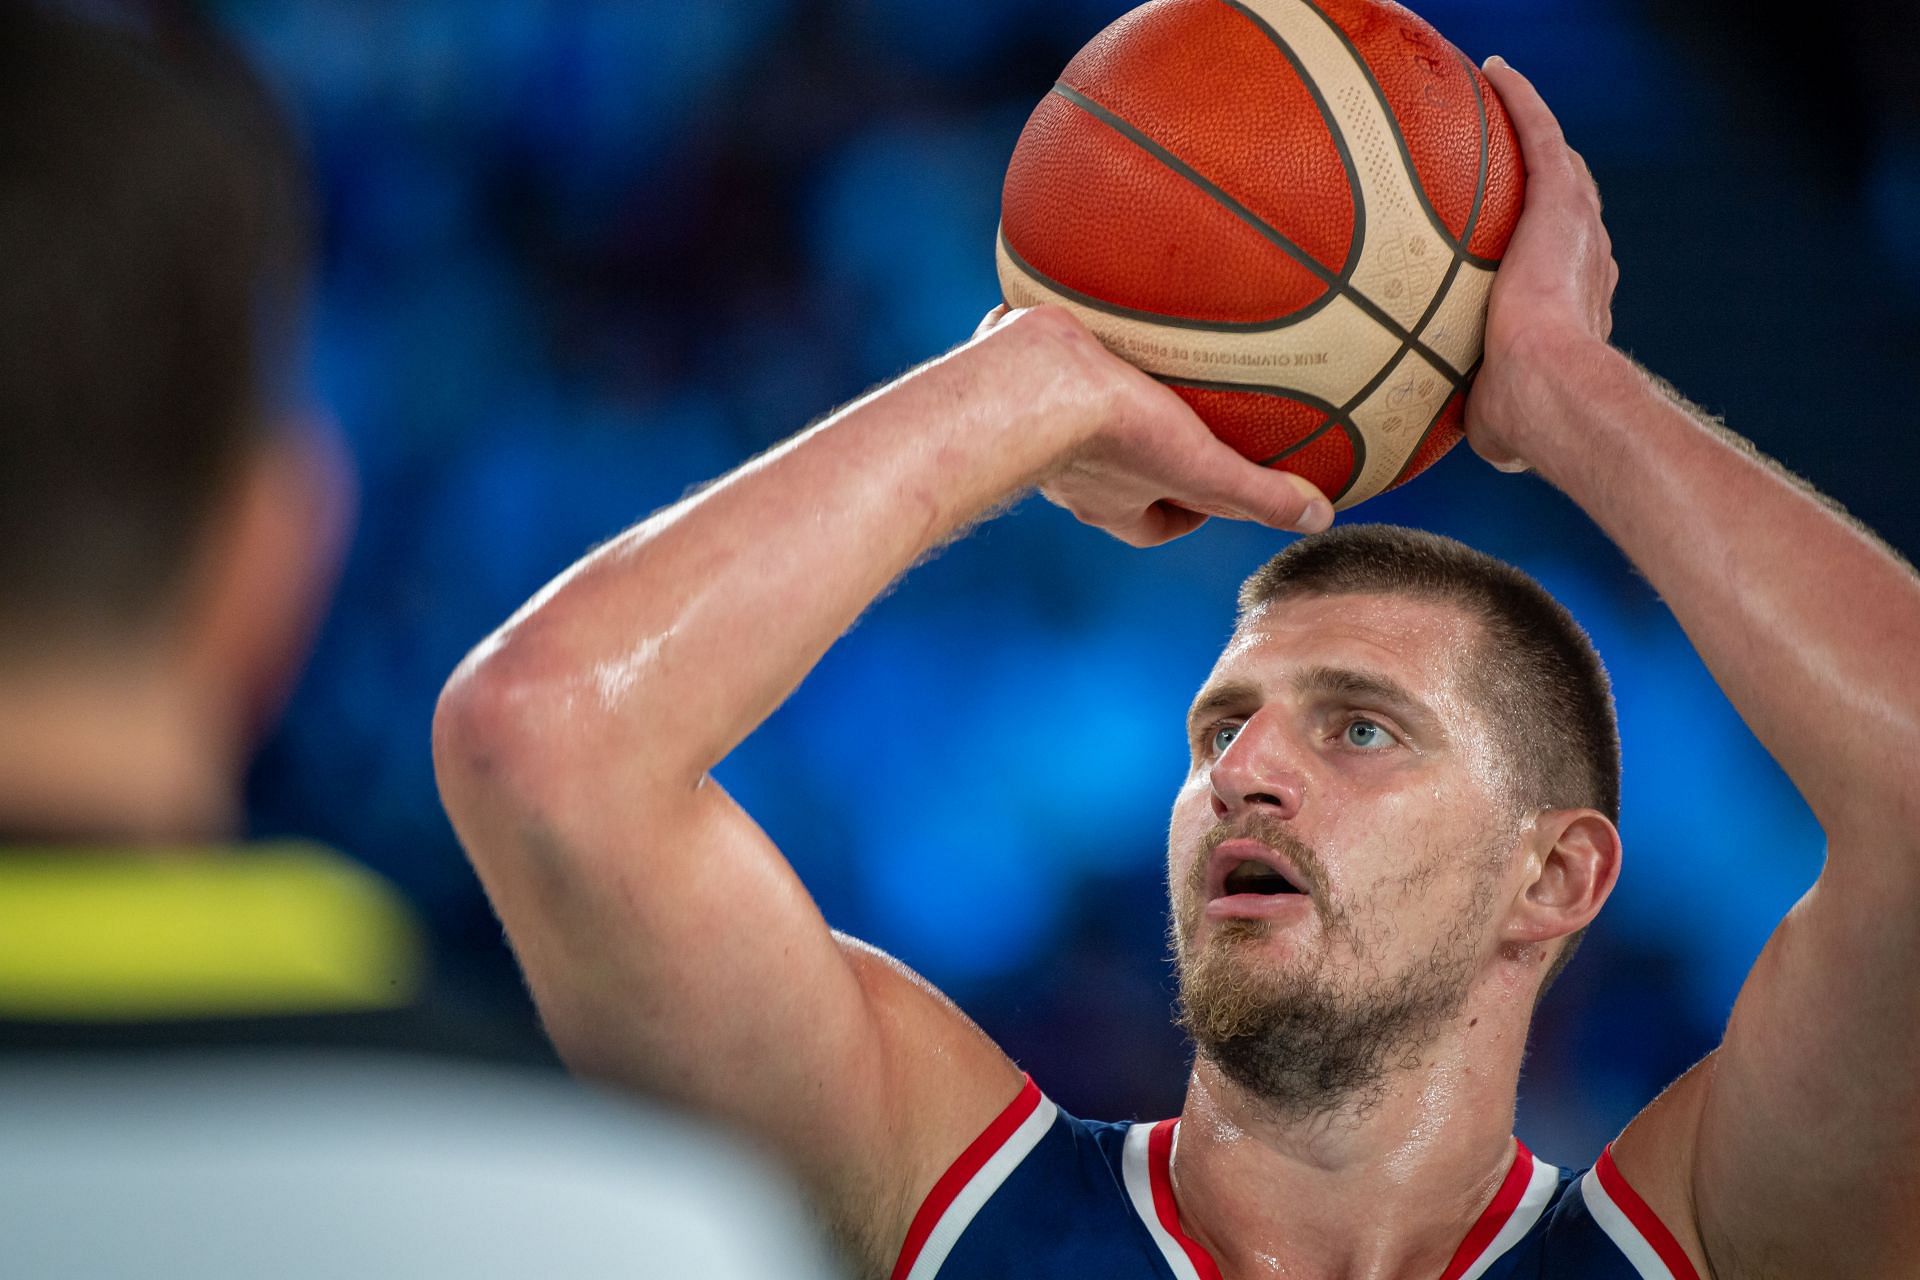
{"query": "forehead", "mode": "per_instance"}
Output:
(1425, 646)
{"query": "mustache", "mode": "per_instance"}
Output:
(1268, 830)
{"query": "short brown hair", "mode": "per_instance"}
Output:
(1542, 684)
(153, 235)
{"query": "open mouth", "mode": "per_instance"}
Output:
(1258, 878)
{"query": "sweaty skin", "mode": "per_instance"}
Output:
(573, 749)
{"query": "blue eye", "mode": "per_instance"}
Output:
(1366, 735)
(1223, 737)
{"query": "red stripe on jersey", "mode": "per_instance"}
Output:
(1495, 1215)
(1160, 1174)
(1643, 1218)
(961, 1172)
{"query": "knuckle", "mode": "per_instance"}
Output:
(1049, 321)
(1285, 511)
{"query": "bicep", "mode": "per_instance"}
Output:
(1810, 1114)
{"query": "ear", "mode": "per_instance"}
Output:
(272, 557)
(1574, 860)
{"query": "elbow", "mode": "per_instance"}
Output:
(523, 733)
(494, 732)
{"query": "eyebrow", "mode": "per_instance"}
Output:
(1371, 687)
(1232, 696)
(1346, 683)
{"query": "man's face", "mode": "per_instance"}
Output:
(1336, 752)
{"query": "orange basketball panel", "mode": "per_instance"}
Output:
(1258, 424)
(1506, 180)
(1253, 130)
(1262, 424)
(1088, 209)
(1328, 462)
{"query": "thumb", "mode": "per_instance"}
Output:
(1266, 495)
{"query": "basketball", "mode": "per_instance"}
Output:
(1288, 211)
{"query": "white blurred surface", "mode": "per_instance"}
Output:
(294, 1165)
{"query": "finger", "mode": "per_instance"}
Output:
(1585, 173)
(1543, 145)
(991, 319)
(1170, 520)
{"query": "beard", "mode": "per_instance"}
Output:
(1306, 1037)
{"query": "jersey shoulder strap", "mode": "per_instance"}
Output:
(1047, 1196)
(1600, 1229)
(1043, 1195)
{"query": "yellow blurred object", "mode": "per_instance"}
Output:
(275, 929)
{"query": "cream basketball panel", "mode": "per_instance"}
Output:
(1394, 419)
(1403, 256)
(1458, 330)
(1331, 355)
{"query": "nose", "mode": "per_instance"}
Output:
(1258, 769)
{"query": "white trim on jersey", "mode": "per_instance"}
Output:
(1620, 1229)
(1138, 1172)
(980, 1188)
(1533, 1203)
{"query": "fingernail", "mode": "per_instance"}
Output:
(1495, 61)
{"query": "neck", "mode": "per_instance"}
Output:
(1383, 1190)
(114, 752)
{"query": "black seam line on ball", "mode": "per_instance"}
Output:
(1340, 146)
(1160, 318)
(1393, 123)
(1334, 417)
(1357, 440)
(1452, 274)
(1337, 286)
(1302, 443)
(1166, 157)
(1433, 425)
(1486, 159)
(1386, 371)
(1441, 294)
(1241, 212)
(1306, 398)
(1458, 380)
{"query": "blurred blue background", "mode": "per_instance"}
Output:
(580, 255)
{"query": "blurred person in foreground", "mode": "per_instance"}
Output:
(1399, 817)
(196, 1034)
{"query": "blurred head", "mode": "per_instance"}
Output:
(1404, 787)
(165, 507)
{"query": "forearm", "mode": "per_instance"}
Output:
(659, 652)
(1809, 623)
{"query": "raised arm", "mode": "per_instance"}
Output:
(669, 946)
(1790, 1150)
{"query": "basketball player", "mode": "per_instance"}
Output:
(1399, 817)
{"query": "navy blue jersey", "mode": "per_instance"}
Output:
(1045, 1196)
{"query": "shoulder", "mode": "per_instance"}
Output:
(1594, 1225)
(1041, 1193)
